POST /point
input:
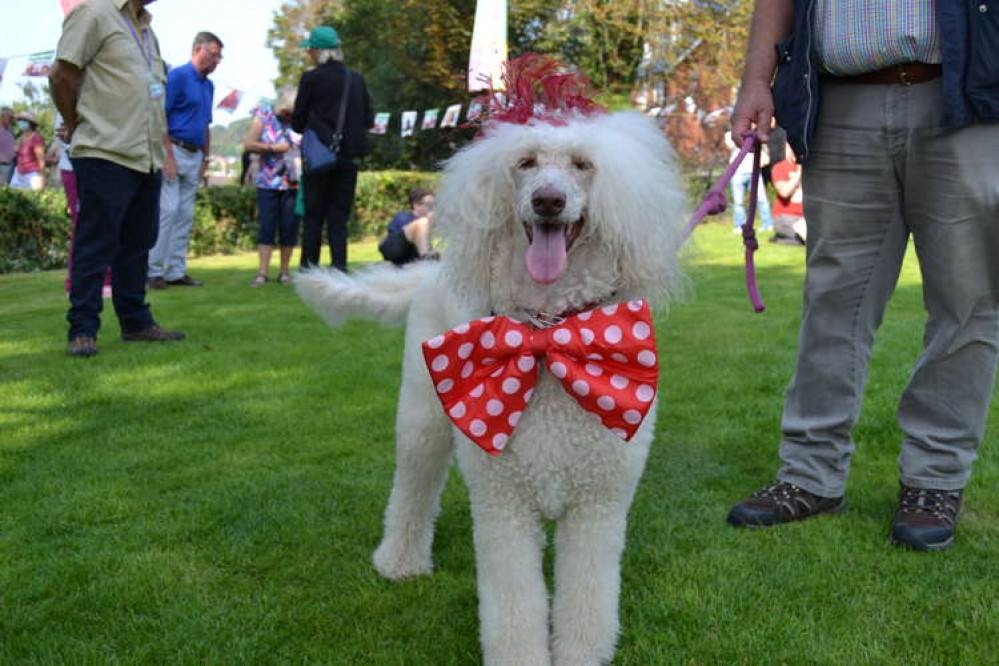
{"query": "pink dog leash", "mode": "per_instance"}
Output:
(714, 202)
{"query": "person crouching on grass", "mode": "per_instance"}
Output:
(408, 236)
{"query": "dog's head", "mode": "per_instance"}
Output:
(552, 188)
(551, 217)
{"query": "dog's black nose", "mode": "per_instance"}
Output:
(548, 201)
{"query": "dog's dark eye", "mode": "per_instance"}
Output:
(582, 164)
(527, 163)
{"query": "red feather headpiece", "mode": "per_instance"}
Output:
(541, 89)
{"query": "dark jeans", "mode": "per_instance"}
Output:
(118, 221)
(328, 200)
(276, 214)
(398, 249)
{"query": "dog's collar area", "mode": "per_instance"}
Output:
(542, 320)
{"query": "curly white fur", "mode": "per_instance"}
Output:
(560, 463)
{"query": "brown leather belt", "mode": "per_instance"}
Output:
(189, 147)
(905, 74)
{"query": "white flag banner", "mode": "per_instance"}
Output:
(429, 119)
(451, 115)
(485, 62)
(408, 123)
(381, 122)
(473, 112)
(3, 66)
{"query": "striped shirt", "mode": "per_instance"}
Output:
(859, 36)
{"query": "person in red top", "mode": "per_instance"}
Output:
(30, 172)
(788, 211)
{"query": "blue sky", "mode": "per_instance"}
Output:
(30, 26)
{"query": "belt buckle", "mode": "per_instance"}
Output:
(903, 76)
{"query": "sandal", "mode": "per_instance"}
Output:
(284, 278)
(259, 281)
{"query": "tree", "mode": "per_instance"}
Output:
(414, 54)
(693, 56)
(603, 38)
(292, 22)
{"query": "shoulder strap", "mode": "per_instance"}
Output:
(343, 102)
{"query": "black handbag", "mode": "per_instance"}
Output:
(319, 157)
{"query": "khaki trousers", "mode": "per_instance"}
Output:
(881, 170)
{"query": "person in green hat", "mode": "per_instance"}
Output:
(322, 92)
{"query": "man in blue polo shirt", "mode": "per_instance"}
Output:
(189, 114)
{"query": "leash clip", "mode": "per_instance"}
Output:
(545, 320)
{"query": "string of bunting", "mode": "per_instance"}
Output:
(40, 64)
(410, 121)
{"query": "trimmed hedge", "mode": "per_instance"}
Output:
(34, 230)
(225, 220)
(382, 194)
(34, 226)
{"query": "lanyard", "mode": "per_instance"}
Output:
(143, 45)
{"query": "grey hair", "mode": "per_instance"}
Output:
(203, 38)
(323, 56)
(285, 98)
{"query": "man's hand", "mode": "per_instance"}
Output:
(201, 171)
(753, 112)
(170, 167)
(65, 132)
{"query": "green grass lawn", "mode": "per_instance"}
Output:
(216, 501)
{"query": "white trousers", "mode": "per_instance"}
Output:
(33, 180)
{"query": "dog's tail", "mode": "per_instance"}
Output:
(379, 292)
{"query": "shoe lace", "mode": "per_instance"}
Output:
(781, 489)
(787, 496)
(937, 503)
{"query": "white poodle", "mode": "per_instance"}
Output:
(541, 218)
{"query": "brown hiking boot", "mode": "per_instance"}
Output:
(82, 345)
(925, 519)
(152, 334)
(781, 502)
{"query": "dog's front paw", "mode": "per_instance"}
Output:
(396, 563)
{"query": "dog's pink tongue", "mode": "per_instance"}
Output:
(546, 257)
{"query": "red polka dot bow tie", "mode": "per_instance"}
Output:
(485, 371)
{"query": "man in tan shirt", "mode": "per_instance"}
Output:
(108, 84)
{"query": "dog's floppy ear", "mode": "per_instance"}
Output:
(473, 206)
(637, 203)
